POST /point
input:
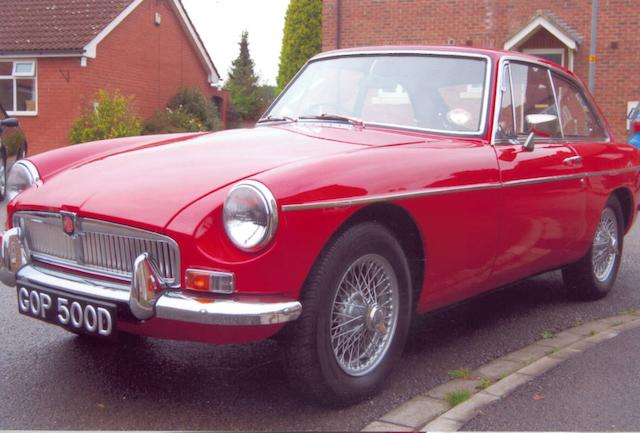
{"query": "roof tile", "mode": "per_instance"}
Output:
(49, 26)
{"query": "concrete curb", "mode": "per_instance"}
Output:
(430, 410)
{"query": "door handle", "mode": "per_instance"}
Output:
(572, 161)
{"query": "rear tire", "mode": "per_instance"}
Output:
(356, 310)
(594, 275)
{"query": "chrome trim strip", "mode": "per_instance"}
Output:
(332, 54)
(555, 101)
(485, 97)
(375, 198)
(612, 172)
(537, 180)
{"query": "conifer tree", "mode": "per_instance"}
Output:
(302, 38)
(243, 84)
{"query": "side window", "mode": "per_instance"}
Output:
(506, 124)
(577, 117)
(533, 94)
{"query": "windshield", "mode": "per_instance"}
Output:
(439, 93)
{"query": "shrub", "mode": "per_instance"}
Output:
(188, 111)
(13, 140)
(167, 121)
(110, 117)
(192, 101)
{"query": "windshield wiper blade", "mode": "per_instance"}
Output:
(327, 116)
(278, 119)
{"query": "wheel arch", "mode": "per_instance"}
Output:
(625, 198)
(402, 225)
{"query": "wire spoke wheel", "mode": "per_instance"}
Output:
(364, 314)
(605, 247)
(3, 178)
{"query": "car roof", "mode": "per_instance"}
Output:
(493, 54)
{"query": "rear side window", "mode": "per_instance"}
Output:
(576, 115)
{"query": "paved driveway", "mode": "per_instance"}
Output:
(51, 379)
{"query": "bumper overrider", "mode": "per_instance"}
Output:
(147, 297)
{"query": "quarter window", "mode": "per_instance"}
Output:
(506, 121)
(18, 86)
(577, 117)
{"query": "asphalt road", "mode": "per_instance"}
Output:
(50, 379)
(594, 391)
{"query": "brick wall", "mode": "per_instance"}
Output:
(137, 58)
(489, 23)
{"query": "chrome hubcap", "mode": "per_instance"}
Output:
(3, 178)
(364, 314)
(605, 246)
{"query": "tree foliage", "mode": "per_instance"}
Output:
(302, 38)
(266, 95)
(243, 84)
(193, 101)
(188, 111)
(111, 116)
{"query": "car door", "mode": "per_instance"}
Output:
(543, 192)
(585, 132)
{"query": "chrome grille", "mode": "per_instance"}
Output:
(97, 247)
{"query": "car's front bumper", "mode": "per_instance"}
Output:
(146, 298)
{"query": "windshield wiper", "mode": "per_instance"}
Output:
(327, 116)
(278, 119)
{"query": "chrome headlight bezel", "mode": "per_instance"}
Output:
(267, 206)
(23, 175)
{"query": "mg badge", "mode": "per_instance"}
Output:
(69, 223)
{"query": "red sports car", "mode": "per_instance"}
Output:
(383, 182)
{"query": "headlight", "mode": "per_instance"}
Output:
(22, 175)
(250, 215)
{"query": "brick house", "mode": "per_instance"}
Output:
(56, 54)
(559, 30)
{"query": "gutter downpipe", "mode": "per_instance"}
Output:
(338, 23)
(592, 49)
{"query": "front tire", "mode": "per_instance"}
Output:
(595, 274)
(356, 310)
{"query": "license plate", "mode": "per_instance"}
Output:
(76, 313)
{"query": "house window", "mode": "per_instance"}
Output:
(18, 86)
(555, 55)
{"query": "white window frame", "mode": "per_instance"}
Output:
(537, 51)
(17, 76)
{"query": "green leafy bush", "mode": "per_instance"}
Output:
(13, 140)
(194, 102)
(188, 111)
(110, 117)
(167, 121)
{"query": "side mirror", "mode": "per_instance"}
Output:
(635, 126)
(529, 144)
(534, 120)
(9, 122)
